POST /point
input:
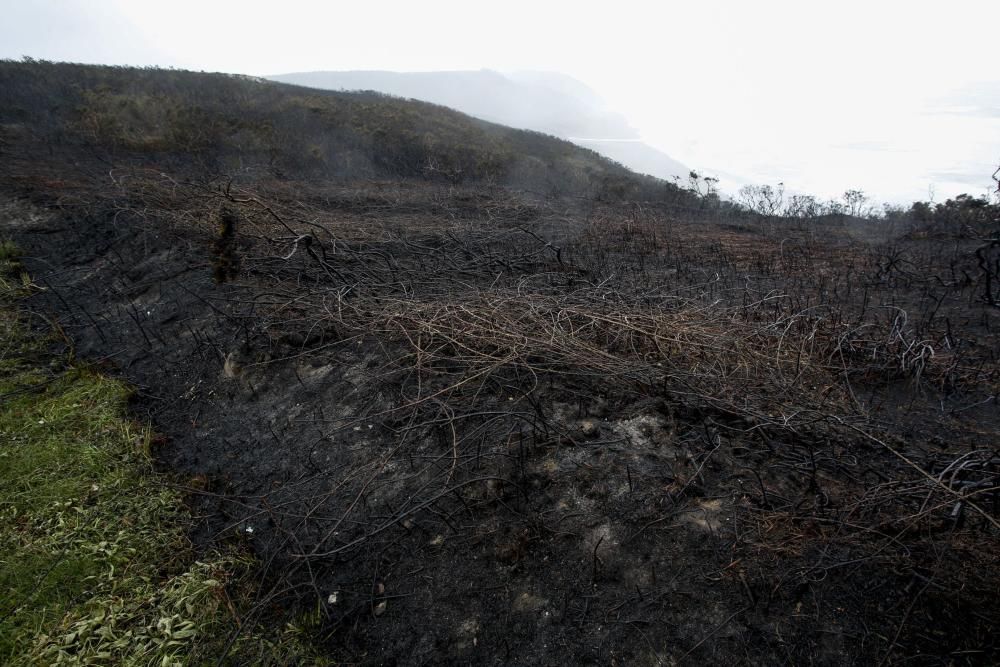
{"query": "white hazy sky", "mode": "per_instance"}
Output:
(889, 96)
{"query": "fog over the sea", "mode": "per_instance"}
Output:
(901, 99)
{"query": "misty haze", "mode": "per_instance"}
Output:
(524, 334)
(541, 101)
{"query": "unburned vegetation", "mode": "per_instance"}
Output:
(482, 420)
(95, 563)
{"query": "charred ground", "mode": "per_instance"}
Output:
(477, 423)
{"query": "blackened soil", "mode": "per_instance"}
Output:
(577, 525)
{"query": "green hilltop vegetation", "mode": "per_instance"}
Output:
(221, 123)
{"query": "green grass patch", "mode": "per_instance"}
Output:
(8, 251)
(95, 565)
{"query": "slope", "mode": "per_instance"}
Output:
(216, 123)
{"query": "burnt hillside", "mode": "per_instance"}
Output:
(460, 422)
